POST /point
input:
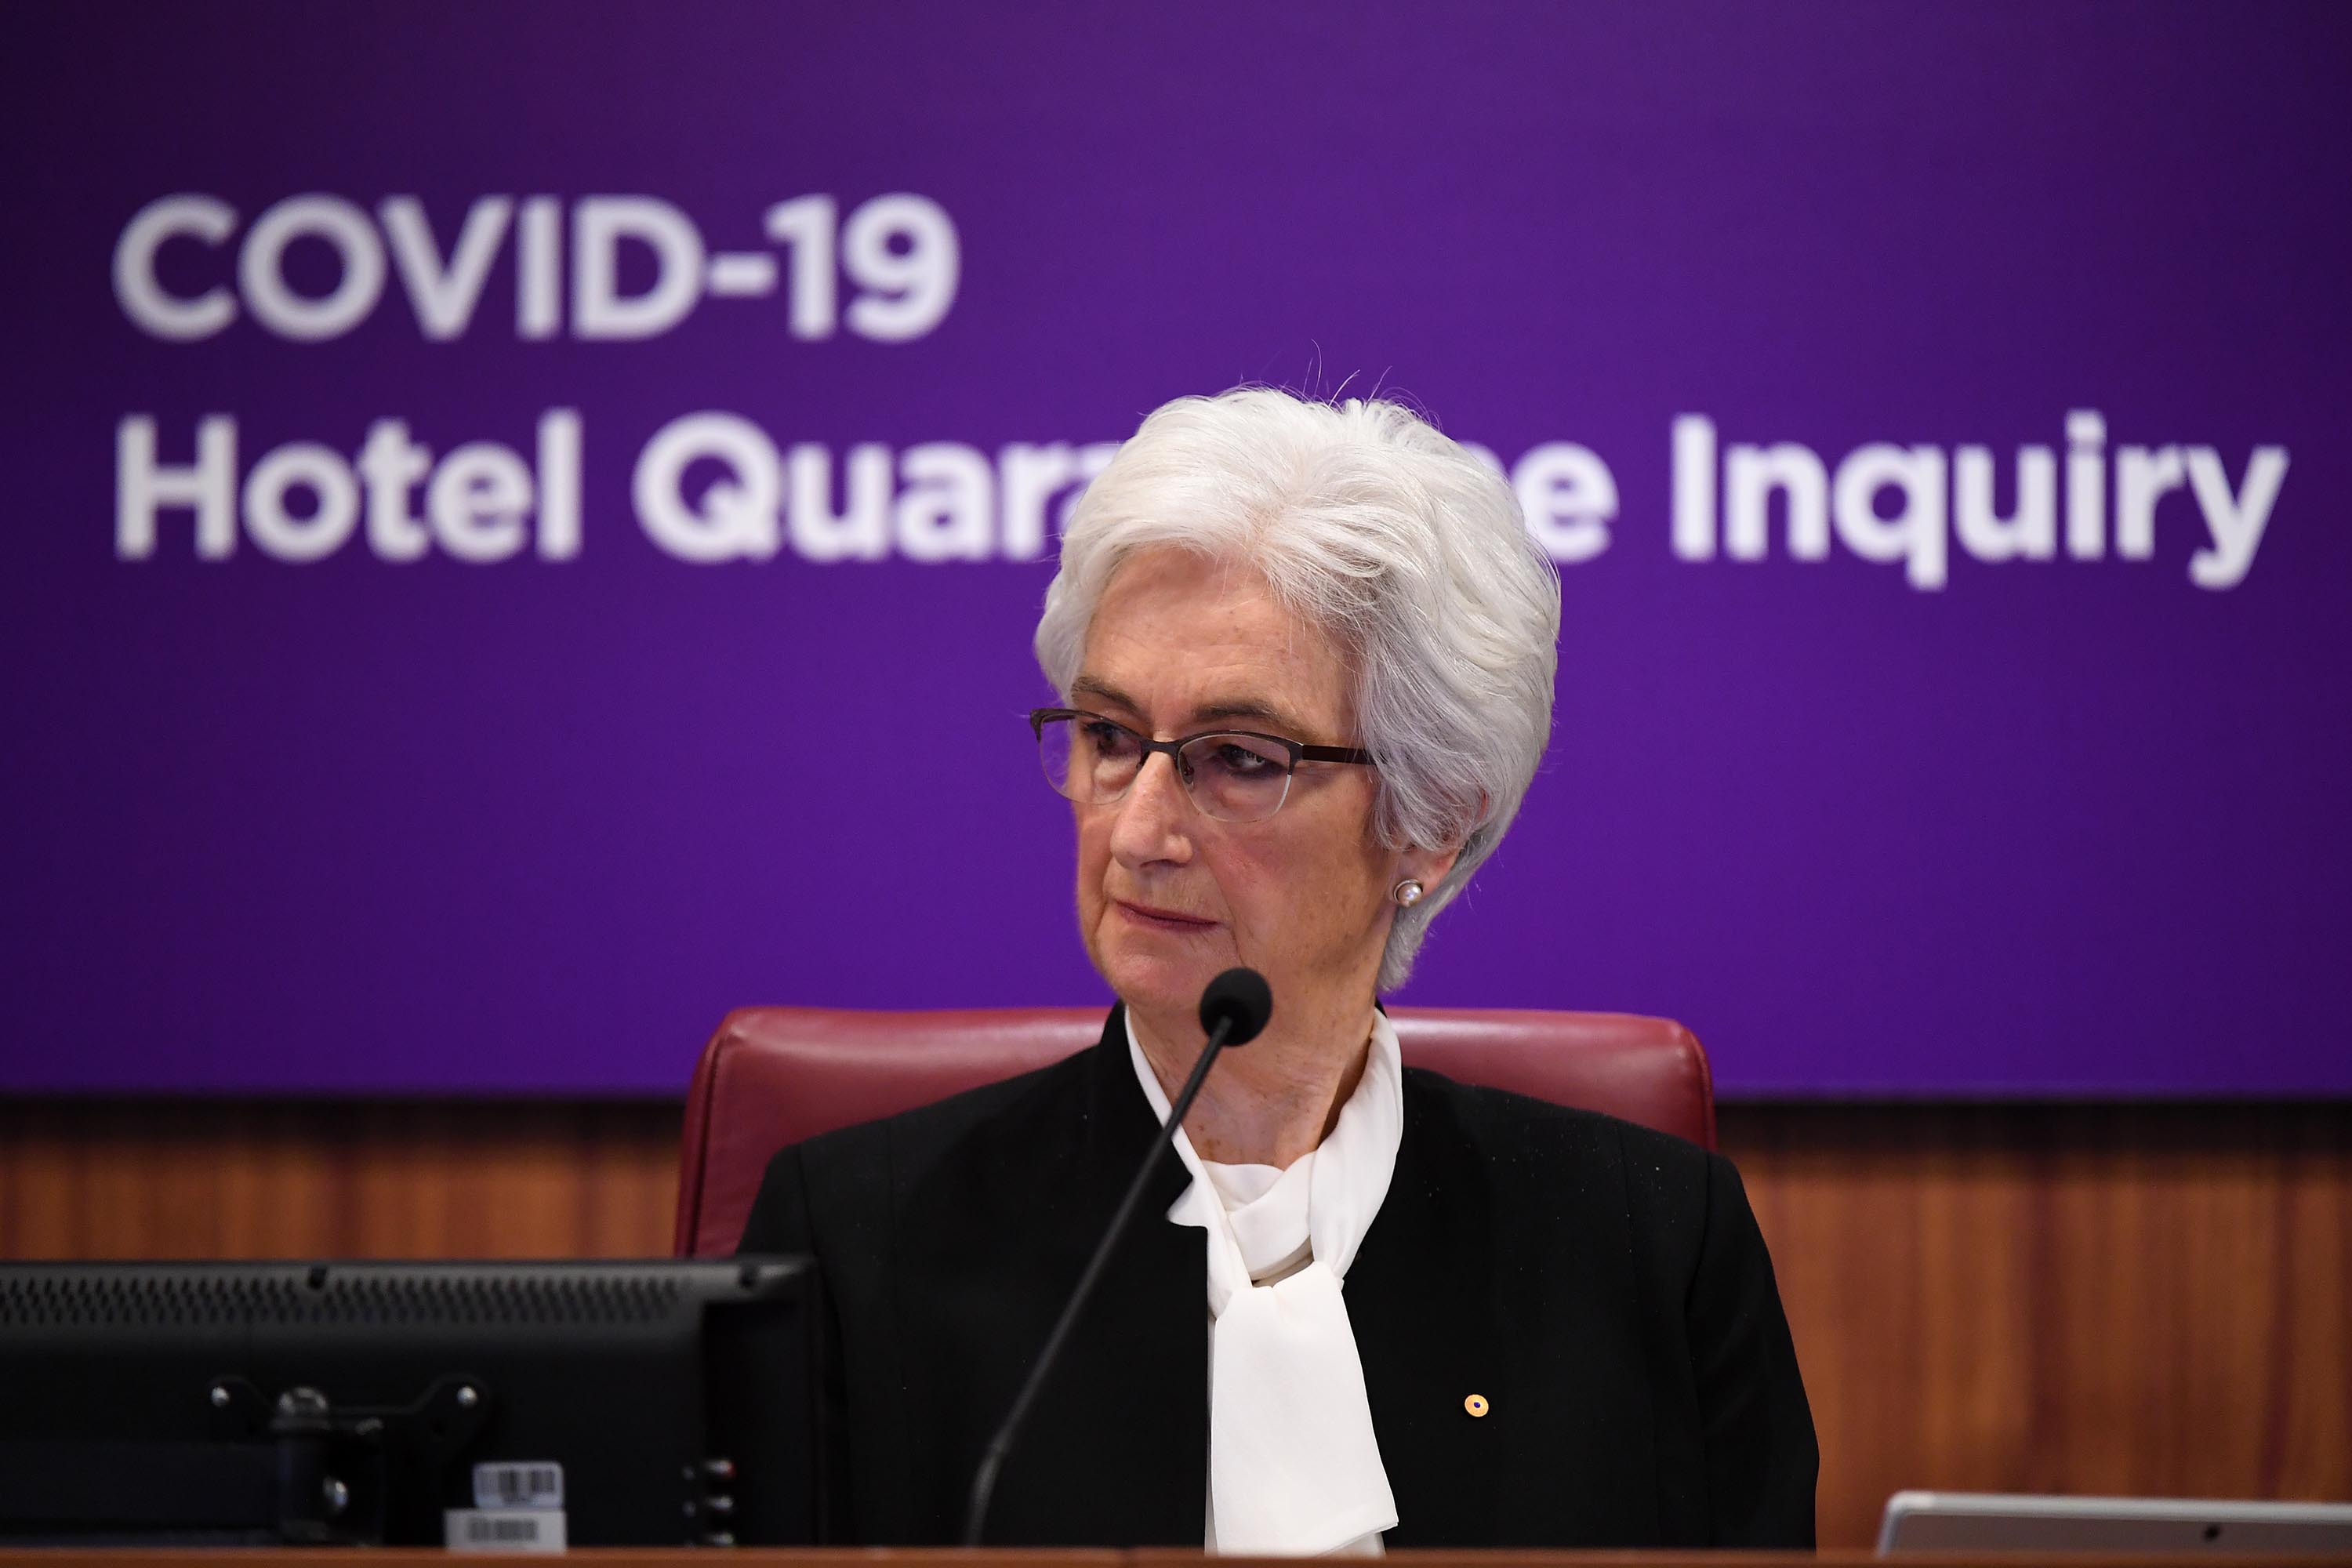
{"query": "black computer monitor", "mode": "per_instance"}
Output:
(589, 1404)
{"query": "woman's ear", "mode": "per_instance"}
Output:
(1427, 867)
(1431, 867)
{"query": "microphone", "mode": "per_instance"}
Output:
(1234, 1010)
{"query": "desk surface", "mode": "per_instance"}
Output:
(747, 1557)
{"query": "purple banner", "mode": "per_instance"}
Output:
(527, 519)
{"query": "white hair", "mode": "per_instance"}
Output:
(1407, 550)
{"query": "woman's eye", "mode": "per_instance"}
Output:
(1242, 762)
(1108, 739)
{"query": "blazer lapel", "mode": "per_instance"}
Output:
(1115, 1449)
(1419, 1299)
(1459, 1292)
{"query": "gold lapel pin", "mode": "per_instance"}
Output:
(1476, 1404)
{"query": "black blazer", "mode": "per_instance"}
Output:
(1603, 1286)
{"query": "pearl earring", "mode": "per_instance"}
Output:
(1407, 892)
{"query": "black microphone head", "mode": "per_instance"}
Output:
(1242, 1001)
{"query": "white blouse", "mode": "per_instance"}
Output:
(1294, 1466)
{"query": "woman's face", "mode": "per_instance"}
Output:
(1169, 898)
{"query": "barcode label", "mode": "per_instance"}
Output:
(495, 1530)
(538, 1484)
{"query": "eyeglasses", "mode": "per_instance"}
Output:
(1232, 776)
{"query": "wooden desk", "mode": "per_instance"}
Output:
(747, 1557)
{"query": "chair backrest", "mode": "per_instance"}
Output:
(773, 1076)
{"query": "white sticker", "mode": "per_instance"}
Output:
(536, 1484)
(502, 1529)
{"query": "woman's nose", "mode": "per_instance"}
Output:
(1152, 816)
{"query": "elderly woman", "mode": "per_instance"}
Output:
(1305, 655)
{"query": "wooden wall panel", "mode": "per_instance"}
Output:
(2137, 1300)
(2149, 1300)
(420, 1180)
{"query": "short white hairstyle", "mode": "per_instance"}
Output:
(1408, 551)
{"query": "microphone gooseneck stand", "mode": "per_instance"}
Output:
(1234, 1009)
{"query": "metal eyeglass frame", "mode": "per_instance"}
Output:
(1300, 751)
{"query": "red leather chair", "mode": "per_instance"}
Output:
(773, 1076)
